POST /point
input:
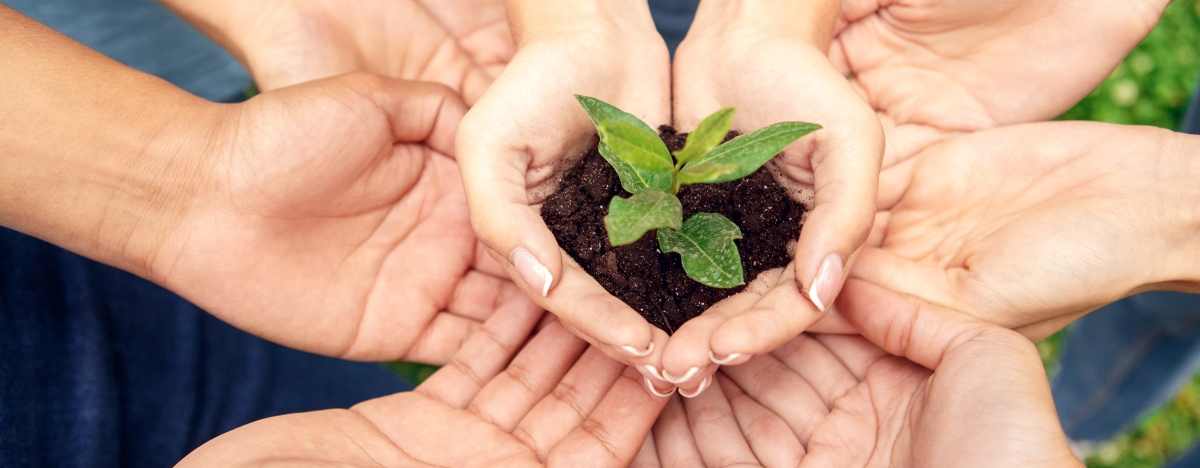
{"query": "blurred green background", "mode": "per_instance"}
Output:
(1151, 87)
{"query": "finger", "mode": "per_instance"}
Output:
(535, 372)
(782, 391)
(441, 338)
(776, 317)
(647, 457)
(924, 280)
(674, 440)
(845, 177)
(814, 363)
(479, 294)
(894, 182)
(482, 356)
(716, 430)
(615, 430)
(418, 111)
(570, 403)
(855, 353)
(769, 437)
(689, 351)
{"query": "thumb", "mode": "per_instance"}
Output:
(417, 111)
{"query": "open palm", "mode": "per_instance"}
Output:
(933, 68)
(333, 221)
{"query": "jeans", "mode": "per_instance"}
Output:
(1129, 357)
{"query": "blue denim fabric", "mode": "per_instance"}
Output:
(1129, 357)
(672, 18)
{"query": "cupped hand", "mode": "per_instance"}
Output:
(518, 139)
(772, 75)
(284, 42)
(554, 404)
(481, 28)
(924, 386)
(332, 219)
(1031, 226)
(934, 68)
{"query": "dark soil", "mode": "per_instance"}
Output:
(654, 283)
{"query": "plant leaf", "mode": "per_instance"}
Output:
(629, 218)
(634, 145)
(747, 152)
(705, 245)
(633, 180)
(710, 133)
(706, 173)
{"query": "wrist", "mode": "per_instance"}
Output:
(811, 21)
(1180, 199)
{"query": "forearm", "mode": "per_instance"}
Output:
(531, 20)
(87, 146)
(808, 20)
(1179, 169)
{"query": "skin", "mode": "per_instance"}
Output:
(517, 139)
(327, 216)
(285, 42)
(923, 386)
(936, 68)
(768, 59)
(1031, 226)
(553, 404)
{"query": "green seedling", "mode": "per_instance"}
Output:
(653, 175)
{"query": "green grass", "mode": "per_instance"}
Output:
(1151, 87)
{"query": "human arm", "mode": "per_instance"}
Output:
(515, 142)
(504, 400)
(327, 217)
(1032, 226)
(768, 59)
(284, 42)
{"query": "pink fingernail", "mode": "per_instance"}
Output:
(639, 352)
(828, 282)
(723, 360)
(655, 391)
(531, 270)
(699, 389)
(678, 380)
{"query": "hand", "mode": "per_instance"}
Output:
(1031, 226)
(936, 68)
(772, 74)
(481, 29)
(285, 42)
(926, 387)
(555, 404)
(515, 142)
(332, 219)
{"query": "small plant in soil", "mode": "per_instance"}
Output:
(654, 175)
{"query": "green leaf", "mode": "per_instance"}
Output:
(705, 245)
(747, 153)
(633, 180)
(707, 136)
(634, 145)
(629, 218)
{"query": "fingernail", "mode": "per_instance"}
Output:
(655, 391)
(828, 282)
(723, 360)
(531, 270)
(639, 352)
(678, 380)
(653, 372)
(699, 389)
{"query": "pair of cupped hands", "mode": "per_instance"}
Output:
(337, 222)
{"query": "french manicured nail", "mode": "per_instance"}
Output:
(699, 388)
(827, 283)
(531, 270)
(723, 360)
(638, 352)
(655, 391)
(678, 380)
(653, 372)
